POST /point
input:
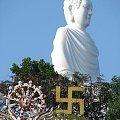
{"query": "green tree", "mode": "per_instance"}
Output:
(33, 70)
(114, 101)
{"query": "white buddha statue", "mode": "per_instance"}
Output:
(74, 50)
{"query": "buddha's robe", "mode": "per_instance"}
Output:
(74, 51)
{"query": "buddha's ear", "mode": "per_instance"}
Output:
(70, 7)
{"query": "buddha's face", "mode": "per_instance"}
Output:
(82, 15)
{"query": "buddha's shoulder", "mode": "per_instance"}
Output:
(62, 30)
(61, 33)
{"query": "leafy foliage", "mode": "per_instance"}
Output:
(114, 101)
(42, 73)
(32, 70)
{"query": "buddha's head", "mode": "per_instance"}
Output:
(78, 12)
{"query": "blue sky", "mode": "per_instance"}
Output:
(28, 27)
